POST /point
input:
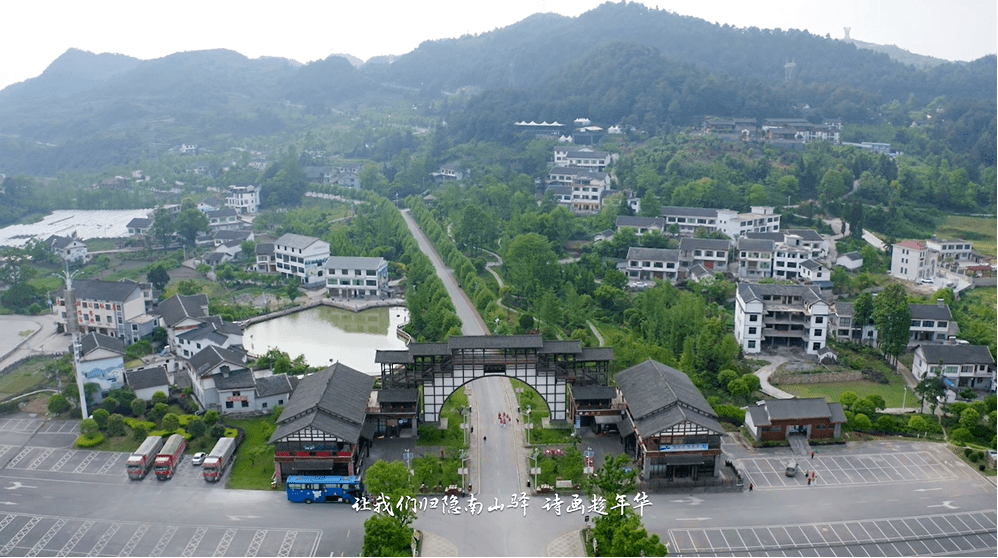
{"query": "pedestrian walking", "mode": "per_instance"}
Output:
(809, 481)
(485, 440)
(812, 454)
(750, 487)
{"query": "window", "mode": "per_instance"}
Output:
(819, 319)
(751, 344)
(264, 405)
(752, 330)
(228, 404)
(97, 318)
(245, 403)
(942, 324)
(753, 318)
(280, 401)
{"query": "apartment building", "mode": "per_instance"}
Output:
(113, 308)
(760, 219)
(355, 277)
(912, 260)
(243, 199)
(755, 257)
(650, 264)
(781, 315)
(303, 257)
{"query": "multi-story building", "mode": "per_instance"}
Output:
(789, 315)
(214, 332)
(961, 366)
(931, 323)
(755, 258)
(641, 225)
(912, 260)
(711, 253)
(265, 262)
(814, 273)
(116, 309)
(303, 257)
(650, 264)
(688, 219)
(70, 249)
(950, 253)
(182, 313)
(760, 219)
(350, 277)
(223, 219)
(243, 199)
(846, 328)
(583, 157)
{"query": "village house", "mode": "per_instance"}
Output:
(850, 260)
(145, 382)
(651, 264)
(912, 260)
(69, 248)
(302, 257)
(352, 277)
(961, 365)
(113, 308)
(778, 419)
(182, 313)
(711, 253)
(102, 361)
(243, 199)
(787, 315)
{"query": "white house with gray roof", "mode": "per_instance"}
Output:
(755, 258)
(653, 264)
(787, 315)
(182, 313)
(218, 333)
(114, 308)
(931, 323)
(303, 257)
(711, 253)
(961, 365)
(353, 277)
(146, 382)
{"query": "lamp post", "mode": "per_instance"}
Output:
(534, 456)
(904, 397)
(528, 425)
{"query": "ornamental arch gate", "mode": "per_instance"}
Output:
(546, 366)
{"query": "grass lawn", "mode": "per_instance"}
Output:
(24, 377)
(979, 230)
(527, 397)
(453, 437)
(253, 467)
(892, 392)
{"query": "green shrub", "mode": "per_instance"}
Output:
(89, 441)
(136, 423)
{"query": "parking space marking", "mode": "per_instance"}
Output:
(20, 535)
(62, 461)
(104, 539)
(38, 460)
(91, 455)
(164, 540)
(254, 546)
(192, 545)
(55, 528)
(900, 536)
(75, 539)
(132, 542)
(17, 458)
(5, 449)
(223, 545)
(767, 472)
(287, 543)
(110, 463)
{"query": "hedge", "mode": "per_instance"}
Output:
(85, 442)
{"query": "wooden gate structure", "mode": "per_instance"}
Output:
(546, 366)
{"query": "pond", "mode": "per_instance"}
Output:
(326, 335)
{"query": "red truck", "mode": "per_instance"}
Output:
(140, 462)
(218, 459)
(169, 457)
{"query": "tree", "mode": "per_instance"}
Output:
(969, 418)
(752, 381)
(611, 479)
(893, 318)
(862, 311)
(217, 430)
(384, 536)
(109, 404)
(530, 264)
(138, 407)
(847, 399)
(291, 290)
(157, 412)
(58, 404)
(116, 425)
(725, 376)
(171, 421)
(88, 428)
(210, 418)
(931, 388)
(918, 424)
(139, 433)
(877, 401)
(160, 397)
(624, 535)
(196, 427)
(738, 388)
(100, 416)
(163, 227)
(393, 480)
(189, 223)
(861, 422)
(158, 277)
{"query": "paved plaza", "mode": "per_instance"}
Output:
(62, 536)
(958, 532)
(881, 468)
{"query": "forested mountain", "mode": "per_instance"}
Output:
(617, 64)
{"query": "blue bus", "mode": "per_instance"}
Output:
(308, 489)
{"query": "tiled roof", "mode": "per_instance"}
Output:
(354, 262)
(660, 396)
(913, 244)
(747, 244)
(90, 289)
(689, 211)
(956, 354)
(750, 291)
(274, 385)
(854, 256)
(930, 312)
(147, 378)
(652, 254)
(93, 341)
(210, 357)
(809, 235)
(795, 409)
(178, 308)
(333, 400)
(296, 241)
(686, 244)
(636, 221)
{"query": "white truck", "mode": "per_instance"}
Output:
(218, 459)
(141, 461)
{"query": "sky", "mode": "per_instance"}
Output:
(36, 32)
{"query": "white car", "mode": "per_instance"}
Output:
(198, 458)
(927, 281)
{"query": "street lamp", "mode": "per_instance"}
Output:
(904, 397)
(528, 425)
(534, 456)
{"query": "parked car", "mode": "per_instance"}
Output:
(198, 458)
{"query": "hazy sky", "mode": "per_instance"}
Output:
(36, 32)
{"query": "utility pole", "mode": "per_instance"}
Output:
(73, 328)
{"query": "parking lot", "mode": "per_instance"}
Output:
(962, 532)
(831, 470)
(59, 536)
